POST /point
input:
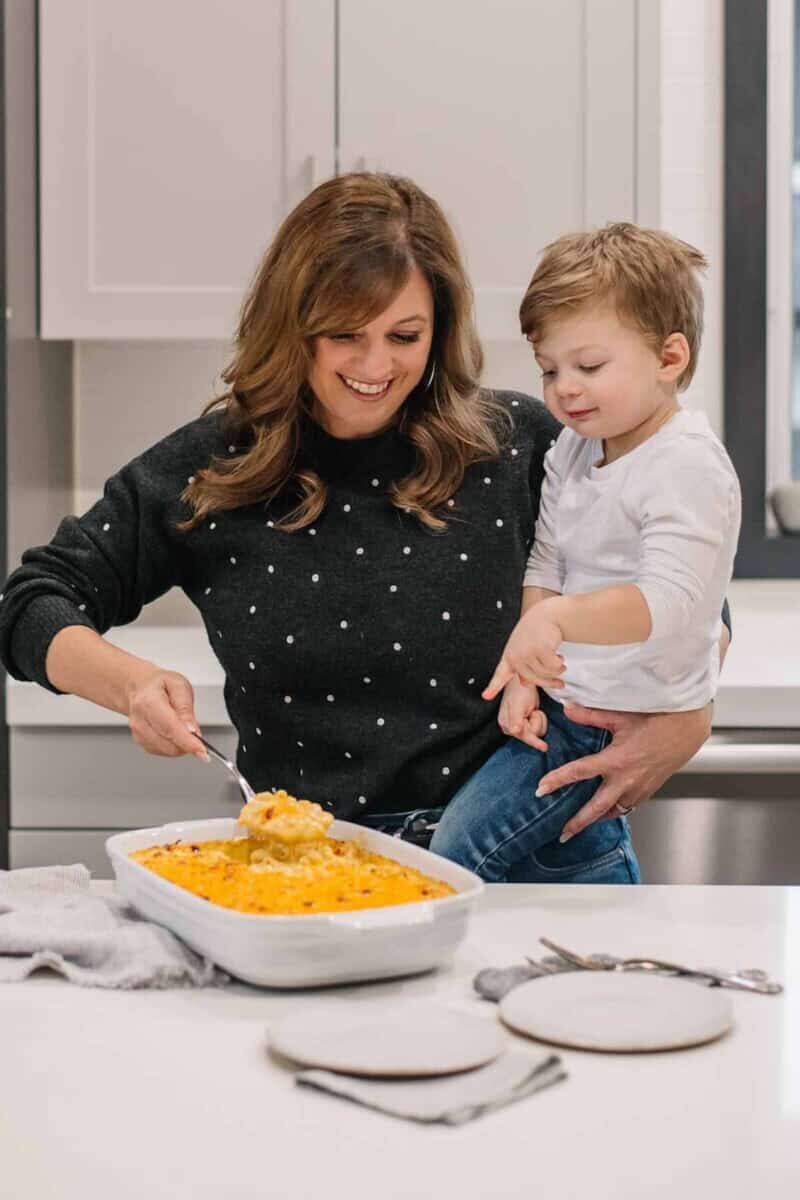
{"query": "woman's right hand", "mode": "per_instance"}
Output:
(161, 714)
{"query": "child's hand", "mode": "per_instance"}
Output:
(520, 715)
(531, 653)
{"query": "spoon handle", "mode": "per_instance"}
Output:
(732, 979)
(570, 956)
(244, 786)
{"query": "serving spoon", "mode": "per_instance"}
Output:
(244, 786)
(748, 982)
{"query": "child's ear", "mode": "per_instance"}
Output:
(674, 357)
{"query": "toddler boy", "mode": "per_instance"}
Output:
(635, 539)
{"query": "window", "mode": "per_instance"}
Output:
(762, 246)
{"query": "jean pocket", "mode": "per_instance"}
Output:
(609, 867)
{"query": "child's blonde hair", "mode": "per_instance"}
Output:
(649, 277)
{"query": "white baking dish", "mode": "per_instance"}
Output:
(302, 950)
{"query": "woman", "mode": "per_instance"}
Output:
(352, 521)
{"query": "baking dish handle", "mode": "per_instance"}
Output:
(401, 916)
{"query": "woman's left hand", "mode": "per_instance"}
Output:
(646, 748)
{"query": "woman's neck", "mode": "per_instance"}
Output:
(346, 432)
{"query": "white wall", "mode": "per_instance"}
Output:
(128, 395)
(692, 164)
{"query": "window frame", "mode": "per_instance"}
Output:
(760, 554)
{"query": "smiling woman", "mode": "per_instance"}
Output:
(361, 380)
(360, 317)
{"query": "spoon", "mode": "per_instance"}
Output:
(244, 786)
(607, 962)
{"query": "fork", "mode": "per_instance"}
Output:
(607, 962)
(244, 786)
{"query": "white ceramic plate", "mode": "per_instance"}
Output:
(616, 1011)
(397, 1039)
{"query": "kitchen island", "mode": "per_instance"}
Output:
(172, 1093)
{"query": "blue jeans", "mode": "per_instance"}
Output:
(496, 826)
(600, 854)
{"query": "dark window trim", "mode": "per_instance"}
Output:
(745, 324)
(5, 796)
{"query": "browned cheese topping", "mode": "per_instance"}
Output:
(268, 875)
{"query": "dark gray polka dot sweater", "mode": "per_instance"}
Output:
(354, 651)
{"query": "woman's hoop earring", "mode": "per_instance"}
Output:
(431, 377)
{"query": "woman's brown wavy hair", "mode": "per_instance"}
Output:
(338, 261)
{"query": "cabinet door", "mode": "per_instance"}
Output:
(123, 789)
(61, 847)
(518, 117)
(174, 136)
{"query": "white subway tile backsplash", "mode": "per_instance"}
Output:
(511, 365)
(683, 188)
(131, 394)
(683, 56)
(691, 162)
(683, 16)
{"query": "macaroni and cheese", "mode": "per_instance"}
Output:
(290, 867)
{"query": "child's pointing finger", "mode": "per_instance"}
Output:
(502, 674)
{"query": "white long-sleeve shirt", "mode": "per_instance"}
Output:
(664, 516)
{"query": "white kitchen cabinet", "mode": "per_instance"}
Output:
(104, 783)
(174, 136)
(51, 847)
(519, 116)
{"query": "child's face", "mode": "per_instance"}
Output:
(601, 377)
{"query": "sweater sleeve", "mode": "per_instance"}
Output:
(545, 567)
(689, 511)
(100, 569)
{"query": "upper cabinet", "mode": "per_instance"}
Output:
(518, 116)
(176, 135)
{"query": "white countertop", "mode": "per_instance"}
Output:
(150, 1093)
(759, 686)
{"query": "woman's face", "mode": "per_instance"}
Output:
(361, 377)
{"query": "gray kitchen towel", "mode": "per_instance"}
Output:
(452, 1100)
(495, 982)
(49, 918)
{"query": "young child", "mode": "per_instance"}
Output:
(635, 539)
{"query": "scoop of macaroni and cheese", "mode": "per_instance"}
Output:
(285, 818)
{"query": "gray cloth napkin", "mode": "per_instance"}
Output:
(452, 1100)
(48, 918)
(495, 982)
